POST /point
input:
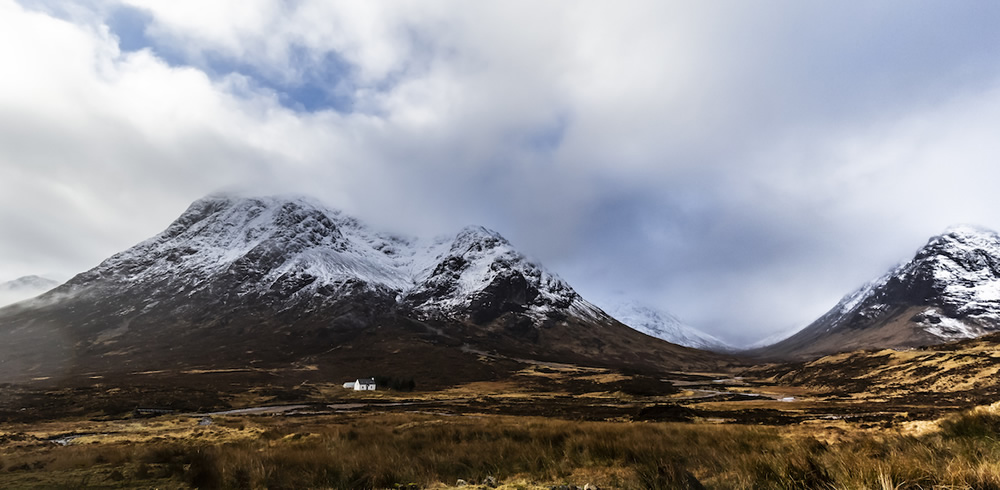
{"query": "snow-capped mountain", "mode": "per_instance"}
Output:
(482, 271)
(662, 325)
(272, 279)
(773, 339)
(950, 290)
(295, 250)
(23, 288)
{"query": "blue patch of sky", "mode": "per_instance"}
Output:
(129, 25)
(547, 138)
(325, 83)
(315, 85)
(320, 82)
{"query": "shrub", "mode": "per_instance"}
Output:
(972, 424)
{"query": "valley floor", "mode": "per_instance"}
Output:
(548, 426)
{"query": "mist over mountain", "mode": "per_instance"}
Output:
(23, 288)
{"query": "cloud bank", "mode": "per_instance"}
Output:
(740, 165)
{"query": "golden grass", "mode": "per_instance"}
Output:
(973, 367)
(384, 450)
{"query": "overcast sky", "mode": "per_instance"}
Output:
(742, 165)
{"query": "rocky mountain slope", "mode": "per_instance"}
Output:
(23, 288)
(950, 290)
(279, 282)
(662, 325)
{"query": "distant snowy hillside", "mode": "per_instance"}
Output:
(23, 288)
(950, 290)
(662, 325)
(772, 339)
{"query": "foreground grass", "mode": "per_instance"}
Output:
(389, 450)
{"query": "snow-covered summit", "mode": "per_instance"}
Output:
(949, 290)
(969, 233)
(960, 272)
(481, 269)
(662, 325)
(263, 239)
(956, 277)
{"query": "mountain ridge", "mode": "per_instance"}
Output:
(238, 281)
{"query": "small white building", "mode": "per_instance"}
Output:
(362, 384)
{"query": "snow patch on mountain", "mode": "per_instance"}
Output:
(852, 300)
(946, 328)
(662, 325)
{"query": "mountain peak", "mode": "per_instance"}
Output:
(475, 234)
(482, 270)
(949, 290)
(964, 231)
(964, 237)
(663, 325)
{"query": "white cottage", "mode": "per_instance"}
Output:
(364, 384)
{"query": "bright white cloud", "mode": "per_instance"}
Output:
(89, 134)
